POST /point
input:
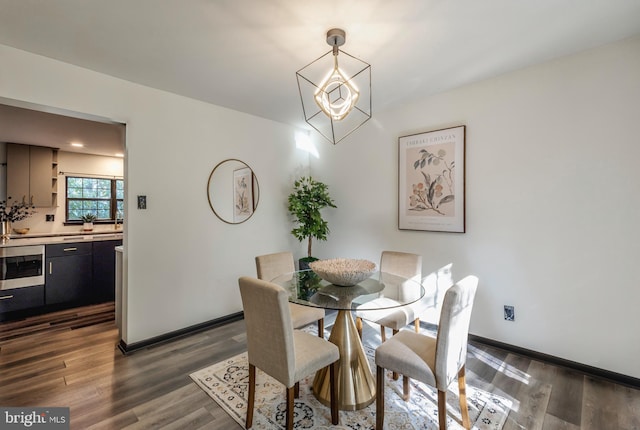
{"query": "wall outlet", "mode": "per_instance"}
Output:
(50, 217)
(509, 313)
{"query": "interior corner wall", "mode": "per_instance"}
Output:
(3, 171)
(181, 263)
(552, 202)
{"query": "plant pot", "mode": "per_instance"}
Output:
(303, 263)
(87, 226)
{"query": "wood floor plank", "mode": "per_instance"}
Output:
(485, 360)
(628, 403)
(94, 355)
(199, 418)
(154, 414)
(120, 421)
(551, 422)
(566, 398)
(87, 374)
(534, 398)
(511, 376)
(222, 420)
(22, 393)
(9, 374)
(599, 406)
(71, 360)
(71, 397)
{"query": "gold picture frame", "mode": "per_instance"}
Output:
(431, 181)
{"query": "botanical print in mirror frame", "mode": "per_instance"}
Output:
(431, 179)
(242, 194)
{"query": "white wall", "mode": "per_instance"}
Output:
(552, 202)
(181, 262)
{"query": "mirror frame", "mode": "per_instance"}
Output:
(256, 196)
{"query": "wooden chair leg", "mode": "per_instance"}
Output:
(462, 388)
(333, 387)
(406, 388)
(251, 397)
(290, 406)
(417, 324)
(321, 328)
(379, 398)
(359, 326)
(442, 409)
(383, 334)
(394, 375)
(296, 390)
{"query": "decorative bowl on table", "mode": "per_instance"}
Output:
(344, 272)
(24, 230)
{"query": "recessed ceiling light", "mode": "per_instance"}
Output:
(77, 144)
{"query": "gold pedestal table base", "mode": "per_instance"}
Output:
(356, 384)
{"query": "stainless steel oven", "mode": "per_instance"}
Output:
(21, 266)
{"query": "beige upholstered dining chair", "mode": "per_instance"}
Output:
(269, 267)
(274, 347)
(436, 362)
(402, 264)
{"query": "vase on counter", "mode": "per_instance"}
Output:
(5, 230)
(87, 226)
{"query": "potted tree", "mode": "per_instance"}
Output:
(305, 202)
(88, 219)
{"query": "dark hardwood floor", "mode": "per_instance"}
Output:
(69, 358)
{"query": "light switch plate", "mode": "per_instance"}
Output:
(142, 202)
(509, 313)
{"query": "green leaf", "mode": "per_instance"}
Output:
(304, 204)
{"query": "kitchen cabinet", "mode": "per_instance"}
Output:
(32, 174)
(18, 172)
(68, 268)
(103, 285)
(76, 273)
(17, 299)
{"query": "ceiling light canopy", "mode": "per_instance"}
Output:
(336, 97)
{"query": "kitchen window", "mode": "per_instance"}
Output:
(103, 197)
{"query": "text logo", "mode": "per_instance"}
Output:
(34, 418)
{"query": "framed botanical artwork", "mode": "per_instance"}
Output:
(431, 181)
(242, 194)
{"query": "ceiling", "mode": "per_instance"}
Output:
(244, 54)
(35, 127)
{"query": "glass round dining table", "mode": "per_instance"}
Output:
(381, 291)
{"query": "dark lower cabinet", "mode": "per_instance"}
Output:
(17, 299)
(103, 286)
(68, 273)
(76, 274)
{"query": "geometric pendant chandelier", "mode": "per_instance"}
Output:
(335, 91)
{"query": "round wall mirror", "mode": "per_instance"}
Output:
(233, 191)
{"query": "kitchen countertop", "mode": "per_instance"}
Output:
(46, 239)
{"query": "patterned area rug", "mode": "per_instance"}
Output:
(226, 382)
